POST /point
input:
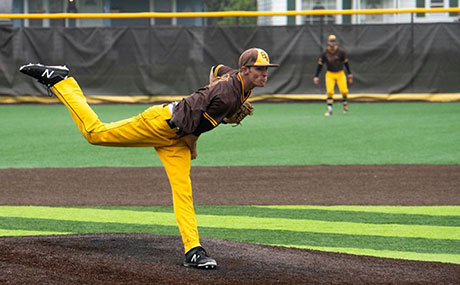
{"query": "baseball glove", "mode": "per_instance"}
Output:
(245, 110)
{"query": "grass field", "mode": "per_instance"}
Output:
(420, 233)
(277, 134)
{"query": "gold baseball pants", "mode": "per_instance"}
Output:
(331, 79)
(148, 129)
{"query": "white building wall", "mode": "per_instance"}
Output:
(264, 5)
(281, 5)
(377, 18)
(428, 18)
(275, 6)
(6, 6)
(299, 20)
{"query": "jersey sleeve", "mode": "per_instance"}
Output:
(322, 58)
(210, 118)
(344, 57)
(215, 112)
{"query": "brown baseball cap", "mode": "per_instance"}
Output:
(255, 57)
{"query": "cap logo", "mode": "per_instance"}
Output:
(264, 55)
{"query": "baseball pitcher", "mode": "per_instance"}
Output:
(172, 129)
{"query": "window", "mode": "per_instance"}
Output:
(420, 4)
(132, 6)
(318, 5)
(36, 7)
(372, 18)
(163, 6)
(437, 4)
(453, 4)
(346, 19)
(291, 7)
(44, 6)
(56, 6)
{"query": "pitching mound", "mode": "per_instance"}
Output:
(155, 259)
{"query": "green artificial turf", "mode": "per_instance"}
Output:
(419, 233)
(277, 134)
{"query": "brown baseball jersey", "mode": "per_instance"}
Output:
(206, 108)
(334, 59)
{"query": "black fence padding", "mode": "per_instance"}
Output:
(384, 58)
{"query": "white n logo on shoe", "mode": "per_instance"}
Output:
(48, 73)
(194, 258)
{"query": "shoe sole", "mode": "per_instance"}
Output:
(208, 266)
(58, 67)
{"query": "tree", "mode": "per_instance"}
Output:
(231, 5)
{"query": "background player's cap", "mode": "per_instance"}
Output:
(331, 38)
(255, 57)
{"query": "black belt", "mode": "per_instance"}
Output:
(171, 123)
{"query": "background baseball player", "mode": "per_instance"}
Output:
(172, 129)
(335, 58)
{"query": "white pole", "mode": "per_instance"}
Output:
(174, 9)
(26, 10)
(152, 9)
(46, 6)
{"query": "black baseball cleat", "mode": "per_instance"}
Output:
(45, 74)
(197, 257)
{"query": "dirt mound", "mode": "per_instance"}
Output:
(155, 259)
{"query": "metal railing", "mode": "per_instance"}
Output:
(223, 14)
